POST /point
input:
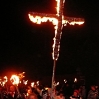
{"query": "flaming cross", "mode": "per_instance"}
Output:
(58, 20)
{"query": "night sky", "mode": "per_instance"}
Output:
(25, 46)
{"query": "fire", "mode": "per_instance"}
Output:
(58, 6)
(75, 80)
(15, 79)
(58, 20)
(25, 82)
(41, 17)
(37, 83)
(39, 20)
(65, 81)
(57, 83)
(32, 84)
(21, 75)
(5, 80)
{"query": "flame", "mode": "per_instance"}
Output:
(15, 79)
(57, 83)
(39, 20)
(37, 83)
(4, 81)
(21, 75)
(58, 6)
(46, 88)
(65, 81)
(32, 84)
(75, 80)
(25, 82)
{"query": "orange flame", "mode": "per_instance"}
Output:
(58, 6)
(75, 80)
(25, 82)
(15, 79)
(5, 79)
(37, 83)
(39, 20)
(32, 84)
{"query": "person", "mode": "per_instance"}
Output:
(32, 96)
(75, 95)
(60, 96)
(12, 94)
(93, 93)
(29, 91)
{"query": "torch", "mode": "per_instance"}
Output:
(15, 81)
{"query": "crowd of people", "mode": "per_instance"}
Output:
(14, 92)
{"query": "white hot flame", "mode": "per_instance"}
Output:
(25, 82)
(65, 81)
(15, 79)
(37, 83)
(75, 80)
(32, 84)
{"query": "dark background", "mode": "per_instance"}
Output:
(25, 46)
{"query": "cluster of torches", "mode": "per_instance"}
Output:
(16, 79)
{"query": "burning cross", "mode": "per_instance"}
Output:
(58, 20)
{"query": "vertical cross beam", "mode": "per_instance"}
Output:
(57, 38)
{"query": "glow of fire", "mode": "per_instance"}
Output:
(25, 82)
(65, 81)
(75, 80)
(5, 79)
(58, 6)
(38, 19)
(57, 83)
(21, 75)
(15, 79)
(37, 83)
(46, 88)
(32, 84)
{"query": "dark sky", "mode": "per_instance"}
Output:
(25, 46)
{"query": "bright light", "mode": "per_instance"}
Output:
(32, 84)
(65, 81)
(21, 75)
(15, 79)
(46, 88)
(37, 83)
(25, 82)
(57, 83)
(75, 80)
(38, 18)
